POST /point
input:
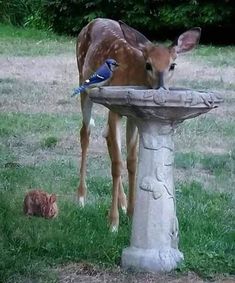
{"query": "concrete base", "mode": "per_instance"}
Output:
(151, 260)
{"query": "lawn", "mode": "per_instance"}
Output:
(39, 148)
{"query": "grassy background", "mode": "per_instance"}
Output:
(39, 126)
(32, 42)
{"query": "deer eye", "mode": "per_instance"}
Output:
(148, 66)
(172, 67)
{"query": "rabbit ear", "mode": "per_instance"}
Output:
(52, 198)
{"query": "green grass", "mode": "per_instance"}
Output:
(207, 230)
(212, 85)
(209, 124)
(28, 245)
(9, 31)
(77, 234)
(215, 56)
(186, 160)
(31, 247)
(49, 142)
(217, 164)
(21, 124)
(32, 42)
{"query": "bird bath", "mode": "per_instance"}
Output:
(154, 239)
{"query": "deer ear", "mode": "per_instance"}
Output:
(132, 36)
(187, 40)
(52, 198)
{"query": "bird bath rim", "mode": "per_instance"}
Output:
(174, 104)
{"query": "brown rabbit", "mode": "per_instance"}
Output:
(40, 203)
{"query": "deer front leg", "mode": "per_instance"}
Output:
(113, 138)
(131, 141)
(86, 106)
(122, 202)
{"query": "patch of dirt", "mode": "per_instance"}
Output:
(202, 71)
(39, 84)
(87, 273)
(46, 69)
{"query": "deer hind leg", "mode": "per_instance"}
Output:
(86, 106)
(122, 200)
(131, 141)
(113, 139)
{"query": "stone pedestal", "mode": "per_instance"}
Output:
(154, 239)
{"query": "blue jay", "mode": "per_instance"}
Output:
(99, 78)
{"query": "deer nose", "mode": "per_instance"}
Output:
(160, 80)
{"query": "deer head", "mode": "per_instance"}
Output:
(159, 60)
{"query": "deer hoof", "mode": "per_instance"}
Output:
(124, 209)
(81, 201)
(114, 228)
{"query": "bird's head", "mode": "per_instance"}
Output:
(112, 64)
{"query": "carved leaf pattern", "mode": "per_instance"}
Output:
(152, 185)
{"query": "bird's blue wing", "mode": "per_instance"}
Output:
(95, 79)
(102, 74)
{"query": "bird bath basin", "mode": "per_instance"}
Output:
(154, 239)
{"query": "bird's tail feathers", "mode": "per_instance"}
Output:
(78, 90)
